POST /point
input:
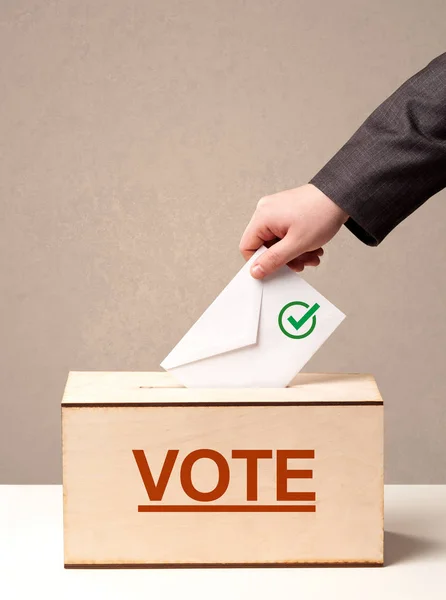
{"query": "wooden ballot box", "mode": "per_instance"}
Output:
(155, 474)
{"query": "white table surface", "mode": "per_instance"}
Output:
(31, 559)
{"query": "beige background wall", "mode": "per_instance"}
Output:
(136, 138)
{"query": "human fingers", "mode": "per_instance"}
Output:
(275, 257)
(254, 236)
(308, 259)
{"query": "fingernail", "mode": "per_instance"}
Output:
(257, 272)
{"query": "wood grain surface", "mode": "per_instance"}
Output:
(171, 484)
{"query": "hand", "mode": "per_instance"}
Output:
(303, 220)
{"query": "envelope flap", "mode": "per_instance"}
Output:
(230, 322)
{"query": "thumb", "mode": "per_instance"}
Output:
(276, 256)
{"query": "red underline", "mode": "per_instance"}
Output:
(227, 508)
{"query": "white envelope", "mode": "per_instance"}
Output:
(255, 333)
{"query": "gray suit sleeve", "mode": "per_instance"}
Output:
(395, 161)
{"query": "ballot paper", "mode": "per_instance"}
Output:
(256, 333)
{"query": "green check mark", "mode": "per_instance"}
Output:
(298, 324)
(310, 312)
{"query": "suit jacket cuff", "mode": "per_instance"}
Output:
(364, 226)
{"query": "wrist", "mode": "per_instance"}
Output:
(338, 212)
